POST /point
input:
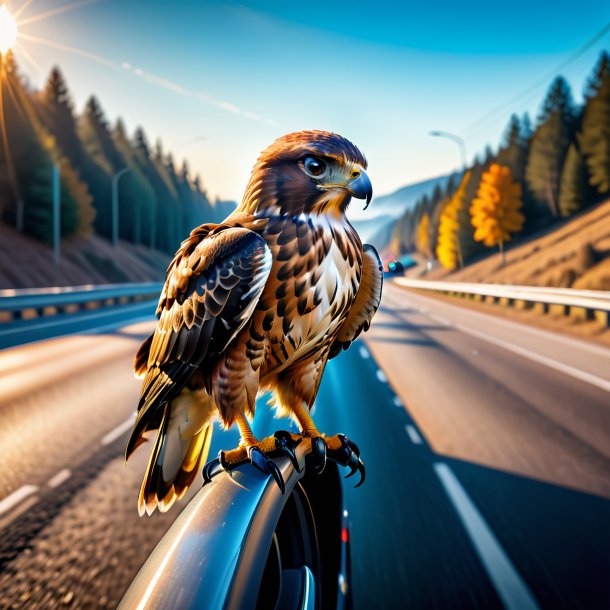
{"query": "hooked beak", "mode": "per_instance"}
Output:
(361, 188)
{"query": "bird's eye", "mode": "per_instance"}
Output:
(315, 167)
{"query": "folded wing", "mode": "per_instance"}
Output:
(366, 304)
(212, 288)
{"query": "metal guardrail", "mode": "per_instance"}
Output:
(31, 303)
(216, 553)
(592, 304)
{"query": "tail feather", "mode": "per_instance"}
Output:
(179, 450)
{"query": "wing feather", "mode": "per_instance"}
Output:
(211, 291)
(366, 303)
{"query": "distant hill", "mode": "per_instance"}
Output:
(397, 203)
(384, 211)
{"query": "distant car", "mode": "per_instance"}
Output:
(394, 266)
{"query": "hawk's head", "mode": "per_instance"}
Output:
(309, 172)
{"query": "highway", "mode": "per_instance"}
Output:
(487, 445)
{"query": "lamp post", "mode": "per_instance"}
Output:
(115, 203)
(454, 138)
(56, 207)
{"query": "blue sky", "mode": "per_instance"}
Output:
(384, 74)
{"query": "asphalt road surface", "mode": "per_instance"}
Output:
(487, 447)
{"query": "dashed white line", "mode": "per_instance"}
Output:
(603, 384)
(414, 435)
(397, 402)
(117, 432)
(16, 497)
(364, 353)
(59, 478)
(381, 376)
(509, 585)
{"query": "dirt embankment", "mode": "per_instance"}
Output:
(574, 255)
(26, 263)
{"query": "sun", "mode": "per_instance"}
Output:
(8, 30)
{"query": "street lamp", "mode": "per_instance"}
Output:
(115, 203)
(454, 138)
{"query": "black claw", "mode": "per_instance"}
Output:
(285, 443)
(214, 467)
(318, 454)
(349, 455)
(267, 465)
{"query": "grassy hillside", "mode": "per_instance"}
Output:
(575, 254)
(26, 263)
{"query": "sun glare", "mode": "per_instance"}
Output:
(8, 30)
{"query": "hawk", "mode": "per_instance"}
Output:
(258, 303)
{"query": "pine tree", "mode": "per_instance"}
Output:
(436, 198)
(513, 152)
(34, 152)
(549, 146)
(495, 212)
(573, 187)
(526, 128)
(600, 73)
(595, 136)
(56, 109)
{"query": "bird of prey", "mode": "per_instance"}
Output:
(258, 303)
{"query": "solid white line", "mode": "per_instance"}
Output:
(16, 497)
(364, 353)
(509, 585)
(59, 478)
(439, 319)
(603, 384)
(118, 431)
(397, 402)
(381, 376)
(414, 435)
(526, 328)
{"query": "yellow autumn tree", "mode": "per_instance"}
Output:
(423, 236)
(496, 210)
(452, 225)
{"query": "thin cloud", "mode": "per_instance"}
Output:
(165, 83)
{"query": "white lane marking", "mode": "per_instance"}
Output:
(414, 435)
(397, 402)
(16, 497)
(59, 478)
(509, 585)
(603, 384)
(364, 353)
(439, 319)
(118, 431)
(381, 376)
(526, 328)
